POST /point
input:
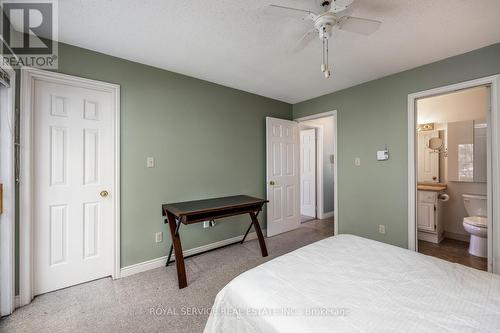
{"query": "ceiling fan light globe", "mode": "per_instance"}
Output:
(323, 67)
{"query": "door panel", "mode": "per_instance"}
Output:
(283, 210)
(73, 131)
(308, 172)
(428, 159)
(425, 216)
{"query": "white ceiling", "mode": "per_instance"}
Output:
(241, 44)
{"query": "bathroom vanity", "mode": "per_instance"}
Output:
(429, 211)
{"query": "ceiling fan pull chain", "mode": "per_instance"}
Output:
(323, 66)
(327, 71)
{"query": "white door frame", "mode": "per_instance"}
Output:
(493, 164)
(28, 77)
(7, 178)
(320, 176)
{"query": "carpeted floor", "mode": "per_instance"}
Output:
(150, 301)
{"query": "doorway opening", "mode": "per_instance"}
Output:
(453, 173)
(452, 176)
(317, 158)
(283, 176)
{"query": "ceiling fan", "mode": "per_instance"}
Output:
(333, 14)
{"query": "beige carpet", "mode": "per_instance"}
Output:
(151, 301)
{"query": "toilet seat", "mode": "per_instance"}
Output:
(477, 221)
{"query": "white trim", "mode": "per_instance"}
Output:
(7, 178)
(336, 162)
(493, 164)
(160, 262)
(28, 76)
(327, 215)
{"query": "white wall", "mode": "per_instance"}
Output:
(328, 136)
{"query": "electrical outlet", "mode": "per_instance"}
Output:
(150, 162)
(381, 229)
(208, 224)
(159, 237)
(357, 161)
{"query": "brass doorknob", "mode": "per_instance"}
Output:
(104, 193)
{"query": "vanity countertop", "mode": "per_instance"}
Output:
(437, 187)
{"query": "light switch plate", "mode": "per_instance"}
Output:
(150, 162)
(381, 229)
(159, 237)
(357, 161)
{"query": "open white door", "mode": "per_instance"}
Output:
(428, 160)
(7, 185)
(282, 150)
(308, 172)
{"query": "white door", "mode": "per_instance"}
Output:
(73, 131)
(7, 195)
(308, 172)
(428, 159)
(425, 216)
(282, 150)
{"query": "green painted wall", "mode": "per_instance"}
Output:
(373, 115)
(208, 140)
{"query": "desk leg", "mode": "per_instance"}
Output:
(258, 231)
(179, 257)
(172, 245)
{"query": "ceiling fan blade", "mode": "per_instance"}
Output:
(305, 40)
(297, 11)
(359, 25)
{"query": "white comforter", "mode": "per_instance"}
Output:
(351, 284)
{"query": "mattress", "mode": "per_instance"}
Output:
(347, 283)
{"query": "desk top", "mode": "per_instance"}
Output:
(209, 205)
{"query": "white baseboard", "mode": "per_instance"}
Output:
(454, 235)
(326, 215)
(160, 262)
(430, 237)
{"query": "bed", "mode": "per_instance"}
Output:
(347, 283)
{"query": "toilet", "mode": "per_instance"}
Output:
(476, 224)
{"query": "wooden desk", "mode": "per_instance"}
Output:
(207, 210)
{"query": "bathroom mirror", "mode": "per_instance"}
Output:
(467, 159)
(435, 143)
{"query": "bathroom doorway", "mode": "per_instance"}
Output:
(451, 168)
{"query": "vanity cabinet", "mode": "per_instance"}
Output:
(430, 226)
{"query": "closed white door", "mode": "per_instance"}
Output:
(282, 146)
(428, 159)
(73, 130)
(308, 172)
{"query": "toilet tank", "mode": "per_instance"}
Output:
(475, 204)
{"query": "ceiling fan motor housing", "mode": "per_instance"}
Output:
(324, 24)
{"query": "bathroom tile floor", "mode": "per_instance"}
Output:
(454, 251)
